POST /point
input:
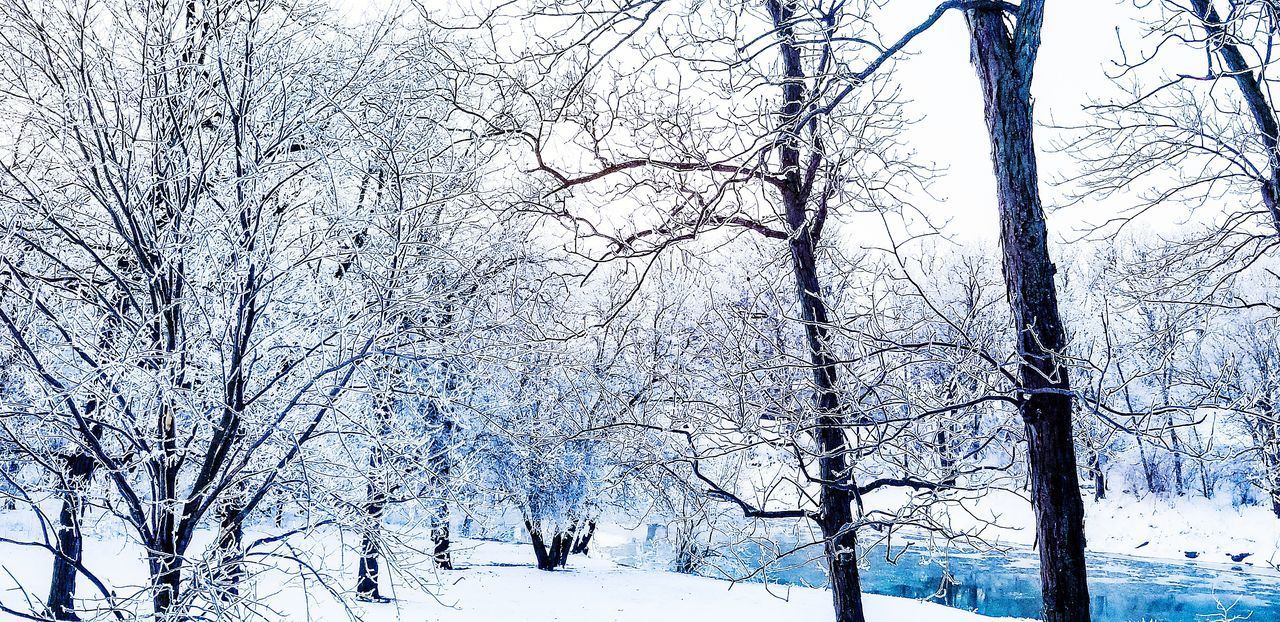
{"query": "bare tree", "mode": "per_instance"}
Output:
(169, 195)
(1005, 58)
(826, 140)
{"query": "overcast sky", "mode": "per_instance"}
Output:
(1079, 49)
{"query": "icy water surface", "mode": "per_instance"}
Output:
(1123, 589)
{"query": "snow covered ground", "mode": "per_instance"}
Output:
(1212, 529)
(499, 585)
(1149, 527)
(496, 582)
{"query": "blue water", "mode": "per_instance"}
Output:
(1123, 589)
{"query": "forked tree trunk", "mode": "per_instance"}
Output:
(1004, 63)
(554, 554)
(582, 545)
(541, 553)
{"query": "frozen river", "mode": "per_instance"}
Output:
(1123, 589)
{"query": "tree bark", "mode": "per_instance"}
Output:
(367, 573)
(835, 503)
(582, 545)
(549, 557)
(440, 540)
(1004, 63)
(230, 552)
(1179, 480)
(69, 539)
(1098, 470)
(442, 468)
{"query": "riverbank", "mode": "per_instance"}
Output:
(496, 582)
(499, 584)
(1150, 527)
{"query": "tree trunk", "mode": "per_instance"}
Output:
(835, 502)
(368, 573)
(442, 467)
(62, 586)
(1096, 469)
(583, 544)
(835, 511)
(1267, 436)
(1254, 89)
(539, 547)
(230, 553)
(69, 538)
(549, 557)
(166, 578)
(1179, 485)
(1004, 63)
(440, 540)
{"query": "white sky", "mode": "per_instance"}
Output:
(1079, 47)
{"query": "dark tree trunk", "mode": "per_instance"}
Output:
(1175, 442)
(165, 557)
(368, 573)
(1098, 471)
(1004, 62)
(69, 541)
(442, 467)
(583, 544)
(230, 553)
(62, 586)
(946, 458)
(539, 547)
(1266, 433)
(440, 541)
(550, 555)
(1147, 469)
(547, 558)
(835, 503)
(1254, 90)
(559, 552)
(166, 579)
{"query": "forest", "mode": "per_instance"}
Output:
(486, 310)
